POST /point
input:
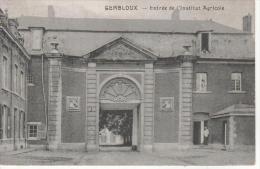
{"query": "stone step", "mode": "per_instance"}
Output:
(115, 148)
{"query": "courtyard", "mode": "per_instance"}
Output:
(195, 156)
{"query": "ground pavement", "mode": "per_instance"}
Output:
(195, 156)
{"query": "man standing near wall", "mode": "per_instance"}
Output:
(206, 135)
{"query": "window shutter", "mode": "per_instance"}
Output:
(1, 122)
(24, 125)
(41, 131)
(197, 82)
(1, 111)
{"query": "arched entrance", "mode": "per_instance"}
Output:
(119, 114)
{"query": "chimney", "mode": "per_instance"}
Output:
(247, 23)
(175, 15)
(51, 12)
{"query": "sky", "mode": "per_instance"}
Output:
(232, 14)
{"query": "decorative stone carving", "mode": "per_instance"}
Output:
(167, 104)
(54, 44)
(3, 18)
(73, 103)
(120, 90)
(121, 52)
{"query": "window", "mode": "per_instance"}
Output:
(205, 42)
(32, 131)
(236, 81)
(8, 122)
(16, 79)
(2, 122)
(16, 120)
(30, 80)
(21, 124)
(29, 75)
(201, 82)
(36, 130)
(5, 73)
(22, 89)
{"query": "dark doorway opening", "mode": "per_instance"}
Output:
(196, 132)
(115, 128)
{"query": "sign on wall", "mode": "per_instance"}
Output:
(73, 103)
(167, 104)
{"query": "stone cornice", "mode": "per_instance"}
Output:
(187, 58)
(53, 55)
(22, 49)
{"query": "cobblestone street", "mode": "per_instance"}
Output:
(191, 157)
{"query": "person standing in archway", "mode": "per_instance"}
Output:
(206, 135)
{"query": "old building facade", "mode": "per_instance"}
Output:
(173, 76)
(13, 91)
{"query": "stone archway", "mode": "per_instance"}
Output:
(120, 90)
(122, 94)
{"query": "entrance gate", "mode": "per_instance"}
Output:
(121, 96)
(115, 128)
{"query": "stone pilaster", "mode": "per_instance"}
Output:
(185, 135)
(92, 114)
(54, 100)
(134, 130)
(148, 107)
(232, 132)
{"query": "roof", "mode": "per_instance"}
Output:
(235, 109)
(125, 25)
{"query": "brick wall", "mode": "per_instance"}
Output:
(73, 122)
(244, 130)
(166, 124)
(219, 84)
(35, 95)
(216, 130)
